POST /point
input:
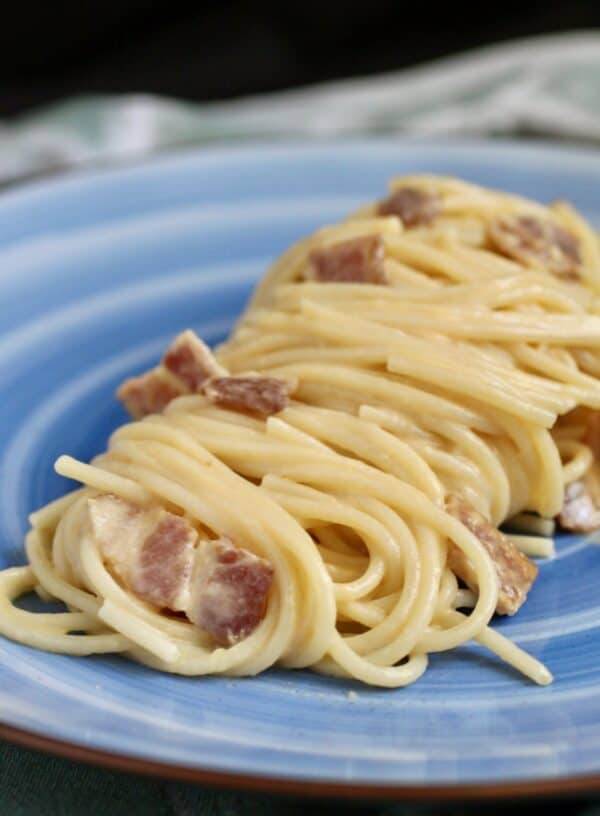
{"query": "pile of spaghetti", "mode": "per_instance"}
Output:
(326, 490)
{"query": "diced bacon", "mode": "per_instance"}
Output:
(580, 512)
(413, 206)
(118, 528)
(187, 364)
(164, 566)
(260, 395)
(229, 592)
(533, 241)
(516, 573)
(191, 361)
(358, 260)
(149, 393)
(150, 549)
(220, 587)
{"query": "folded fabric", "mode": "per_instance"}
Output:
(546, 86)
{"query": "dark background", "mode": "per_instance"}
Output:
(206, 51)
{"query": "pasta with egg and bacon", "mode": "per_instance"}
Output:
(326, 489)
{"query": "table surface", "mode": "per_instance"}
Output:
(32, 784)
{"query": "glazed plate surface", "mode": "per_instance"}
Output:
(97, 272)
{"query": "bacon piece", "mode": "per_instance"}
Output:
(358, 260)
(191, 361)
(220, 587)
(533, 241)
(151, 550)
(149, 393)
(413, 206)
(187, 364)
(118, 528)
(164, 566)
(580, 512)
(260, 395)
(229, 593)
(516, 573)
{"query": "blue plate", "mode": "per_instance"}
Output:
(97, 272)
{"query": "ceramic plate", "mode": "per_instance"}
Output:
(97, 272)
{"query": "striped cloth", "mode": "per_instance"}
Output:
(545, 86)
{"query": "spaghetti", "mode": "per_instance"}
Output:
(326, 490)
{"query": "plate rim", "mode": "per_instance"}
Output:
(84, 176)
(263, 783)
(535, 149)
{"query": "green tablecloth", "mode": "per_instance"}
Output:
(549, 87)
(32, 784)
(35, 785)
